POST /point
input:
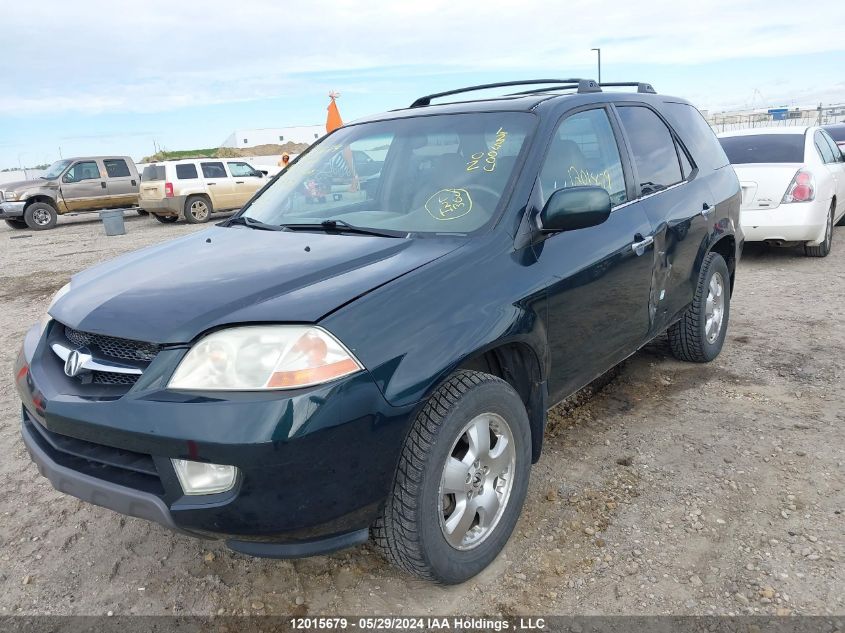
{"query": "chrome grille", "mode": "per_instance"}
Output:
(122, 348)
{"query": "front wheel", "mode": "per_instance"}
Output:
(461, 481)
(40, 216)
(699, 335)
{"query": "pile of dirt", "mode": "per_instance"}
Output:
(229, 152)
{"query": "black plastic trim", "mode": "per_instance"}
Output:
(302, 549)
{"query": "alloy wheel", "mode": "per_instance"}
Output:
(714, 310)
(199, 210)
(41, 217)
(477, 480)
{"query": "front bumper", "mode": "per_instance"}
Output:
(788, 222)
(11, 210)
(315, 465)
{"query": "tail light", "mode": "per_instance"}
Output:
(802, 188)
(168, 190)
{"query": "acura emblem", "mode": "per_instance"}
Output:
(75, 363)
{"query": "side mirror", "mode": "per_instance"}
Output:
(575, 208)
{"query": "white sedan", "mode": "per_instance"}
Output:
(793, 185)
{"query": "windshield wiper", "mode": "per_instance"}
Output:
(252, 223)
(341, 226)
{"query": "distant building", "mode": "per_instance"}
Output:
(274, 136)
(775, 117)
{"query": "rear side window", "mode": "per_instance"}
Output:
(116, 168)
(764, 148)
(655, 153)
(837, 152)
(823, 148)
(584, 153)
(213, 170)
(188, 171)
(152, 173)
(696, 134)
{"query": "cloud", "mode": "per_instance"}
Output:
(153, 56)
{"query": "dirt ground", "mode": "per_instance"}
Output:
(677, 488)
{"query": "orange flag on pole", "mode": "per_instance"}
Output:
(333, 120)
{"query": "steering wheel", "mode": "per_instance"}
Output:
(478, 188)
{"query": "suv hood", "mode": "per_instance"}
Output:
(172, 292)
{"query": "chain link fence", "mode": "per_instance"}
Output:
(777, 117)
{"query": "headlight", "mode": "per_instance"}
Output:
(261, 357)
(9, 196)
(61, 293)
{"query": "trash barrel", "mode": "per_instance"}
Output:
(113, 221)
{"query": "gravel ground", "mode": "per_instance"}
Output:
(669, 488)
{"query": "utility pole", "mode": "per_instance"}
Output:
(598, 50)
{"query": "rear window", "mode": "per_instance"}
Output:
(152, 172)
(187, 171)
(764, 148)
(837, 132)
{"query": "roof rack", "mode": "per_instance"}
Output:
(640, 86)
(583, 85)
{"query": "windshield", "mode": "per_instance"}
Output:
(764, 148)
(55, 170)
(427, 174)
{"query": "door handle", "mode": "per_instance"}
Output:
(706, 210)
(239, 182)
(211, 184)
(643, 243)
(102, 184)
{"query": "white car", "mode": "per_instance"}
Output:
(793, 185)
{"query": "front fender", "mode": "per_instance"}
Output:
(415, 331)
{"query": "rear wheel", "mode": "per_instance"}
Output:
(165, 219)
(461, 482)
(198, 209)
(40, 216)
(823, 249)
(699, 335)
(142, 212)
(16, 224)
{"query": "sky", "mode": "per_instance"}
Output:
(94, 77)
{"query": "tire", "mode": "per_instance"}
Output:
(40, 216)
(16, 224)
(142, 212)
(412, 529)
(823, 249)
(696, 338)
(165, 219)
(198, 209)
